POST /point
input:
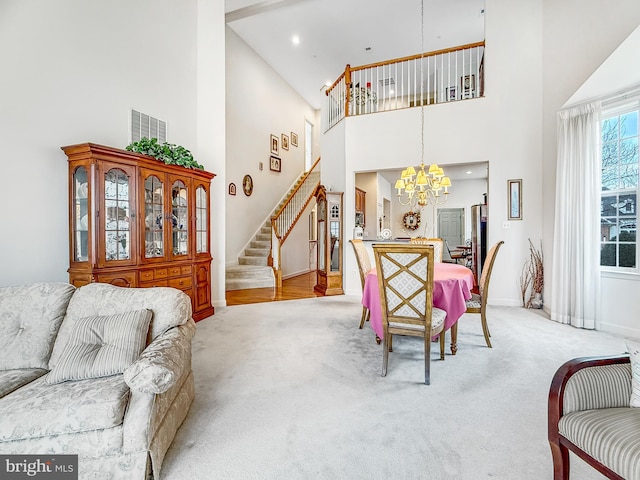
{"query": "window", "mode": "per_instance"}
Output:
(618, 207)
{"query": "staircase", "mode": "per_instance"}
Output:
(253, 269)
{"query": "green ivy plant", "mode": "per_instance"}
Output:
(166, 152)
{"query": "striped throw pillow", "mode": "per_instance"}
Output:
(101, 346)
(633, 347)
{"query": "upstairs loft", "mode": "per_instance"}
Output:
(440, 76)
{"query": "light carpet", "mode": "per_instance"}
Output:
(292, 390)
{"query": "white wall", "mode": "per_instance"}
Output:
(71, 74)
(572, 52)
(472, 131)
(258, 103)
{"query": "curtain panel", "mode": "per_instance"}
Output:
(575, 270)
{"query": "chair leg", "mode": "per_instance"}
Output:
(390, 342)
(454, 338)
(442, 345)
(427, 359)
(385, 356)
(363, 318)
(485, 328)
(560, 457)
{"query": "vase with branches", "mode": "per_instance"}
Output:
(532, 278)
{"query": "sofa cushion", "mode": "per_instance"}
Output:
(170, 307)
(11, 380)
(40, 410)
(100, 346)
(30, 316)
(610, 435)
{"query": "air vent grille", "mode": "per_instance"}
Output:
(387, 82)
(143, 125)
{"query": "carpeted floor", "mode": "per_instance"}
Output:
(292, 391)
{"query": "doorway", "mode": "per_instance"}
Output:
(451, 227)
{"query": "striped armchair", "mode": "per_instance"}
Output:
(589, 415)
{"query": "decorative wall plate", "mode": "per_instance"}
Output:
(385, 233)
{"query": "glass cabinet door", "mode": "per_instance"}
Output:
(80, 215)
(153, 217)
(117, 213)
(322, 217)
(179, 219)
(202, 216)
(334, 230)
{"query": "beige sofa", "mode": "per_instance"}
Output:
(120, 425)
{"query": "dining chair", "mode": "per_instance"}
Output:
(456, 254)
(478, 302)
(438, 246)
(364, 267)
(405, 282)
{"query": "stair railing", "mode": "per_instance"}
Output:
(283, 221)
(447, 75)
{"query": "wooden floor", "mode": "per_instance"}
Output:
(292, 288)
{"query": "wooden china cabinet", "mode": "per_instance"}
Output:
(137, 222)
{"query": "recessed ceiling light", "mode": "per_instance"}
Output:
(328, 83)
(391, 92)
(295, 40)
(468, 172)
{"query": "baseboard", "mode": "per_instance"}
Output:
(618, 330)
(291, 275)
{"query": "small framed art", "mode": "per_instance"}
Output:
(451, 94)
(274, 145)
(247, 185)
(285, 142)
(514, 201)
(232, 189)
(294, 139)
(275, 165)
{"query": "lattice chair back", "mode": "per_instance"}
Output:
(438, 246)
(405, 282)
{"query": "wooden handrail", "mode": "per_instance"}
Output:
(348, 70)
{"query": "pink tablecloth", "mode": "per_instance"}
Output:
(452, 284)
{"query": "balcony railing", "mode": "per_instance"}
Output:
(447, 75)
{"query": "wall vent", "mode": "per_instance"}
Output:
(387, 82)
(143, 125)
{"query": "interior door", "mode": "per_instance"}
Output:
(451, 227)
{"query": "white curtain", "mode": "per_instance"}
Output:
(575, 270)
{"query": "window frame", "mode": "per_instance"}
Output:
(618, 109)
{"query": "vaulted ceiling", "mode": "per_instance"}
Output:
(334, 33)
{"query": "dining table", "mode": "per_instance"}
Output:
(452, 284)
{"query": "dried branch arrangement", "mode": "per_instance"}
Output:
(532, 278)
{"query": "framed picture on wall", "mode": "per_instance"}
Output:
(274, 145)
(275, 165)
(294, 139)
(285, 142)
(451, 94)
(232, 189)
(514, 201)
(467, 85)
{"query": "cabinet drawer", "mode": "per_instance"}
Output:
(160, 273)
(175, 271)
(185, 270)
(180, 282)
(155, 283)
(146, 275)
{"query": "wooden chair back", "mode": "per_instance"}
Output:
(487, 268)
(363, 259)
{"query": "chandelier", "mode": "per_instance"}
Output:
(424, 187)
